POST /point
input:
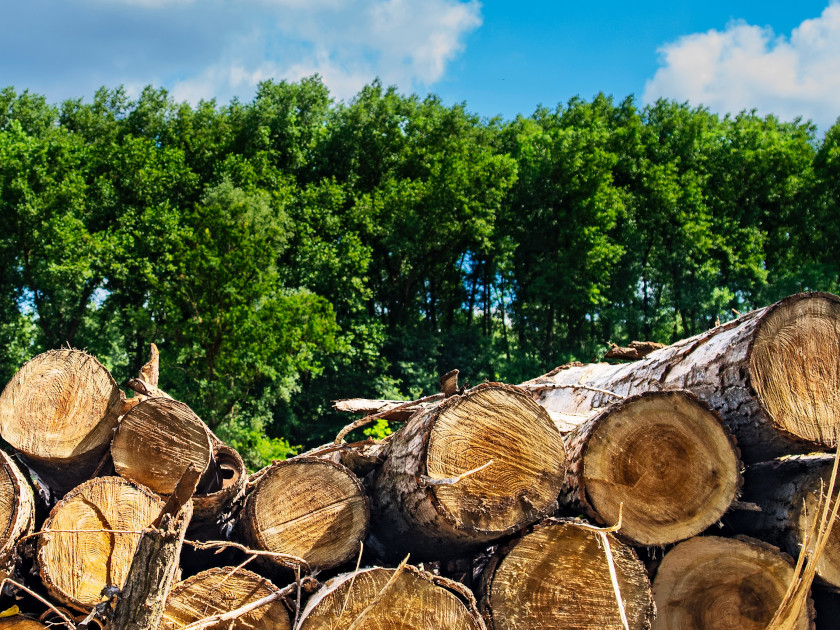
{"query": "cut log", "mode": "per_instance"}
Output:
(468, 471)
(222, 590)
(21, 622)
(383, 598)
(779, 505)
(772, 374)
(156, 440)
(558, 576)
(76, 560)
(664, 456)
(712, 583)
(17, 512)
(59, 412)
(309, 508)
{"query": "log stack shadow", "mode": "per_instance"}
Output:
(609, 495)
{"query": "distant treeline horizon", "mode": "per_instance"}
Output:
(289, 250)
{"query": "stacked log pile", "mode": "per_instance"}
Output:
(594, 496)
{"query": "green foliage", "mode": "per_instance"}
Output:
(289, 251)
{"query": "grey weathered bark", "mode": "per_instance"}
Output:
(779, 505)
(772, 374)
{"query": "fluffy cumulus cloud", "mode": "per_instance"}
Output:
(745, 67)
(221, 48)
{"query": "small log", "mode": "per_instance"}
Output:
(773, 375)
(663, 459)
(142, 600)
(59, 411)
(210, 509)
(98, 525)
(308, 508)
(559, 576)
(156, 440)
(713, 583)
(22, 622)
(17, 513)
(221, 590)
(468, 471)
(780, 503)
(390, 598)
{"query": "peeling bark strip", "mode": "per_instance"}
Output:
(222, 590)
(490, 423)
(788, 491)
(773, 375)
(310, 508)
(141, 603)
(372, 598)
(75, 567)
(59, 411)
(712, 583)
(17, 512)
(664, 456)
(558, 576)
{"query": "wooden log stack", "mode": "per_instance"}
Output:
(609, 495)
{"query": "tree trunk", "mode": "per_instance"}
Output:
(78, 563)
(308, 508)
(465, 472)
(59, 411)
(663, 458)
(773, 375)
(712, 583)
(17, 513)
(222, 590)
(779, 505)
(156, 440)
(559, 576)
(390, 598)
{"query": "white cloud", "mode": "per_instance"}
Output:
(750, 67)
(349, 43)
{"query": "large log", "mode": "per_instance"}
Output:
(17, 513)
(222, 590)
(780, 503)
(390, 598)
(465, 472)
(772, 374)
(662, 459)
(713, 583)
(90, 537)
(312, 509)
(155, 442)
(558, 576)
(59, 411)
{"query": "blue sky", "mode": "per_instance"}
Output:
(500, 58)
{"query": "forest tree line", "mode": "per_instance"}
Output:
(292, 250)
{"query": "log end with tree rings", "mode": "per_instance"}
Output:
(233, 477)
(308, 508)
(664, 459)
(506, 453)
(712, 583)
(559, 576)
(223, 590)
(157, 440)
(794, 366)
(60, 408)
(382, 598)
(17, 511)
(77, 559)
